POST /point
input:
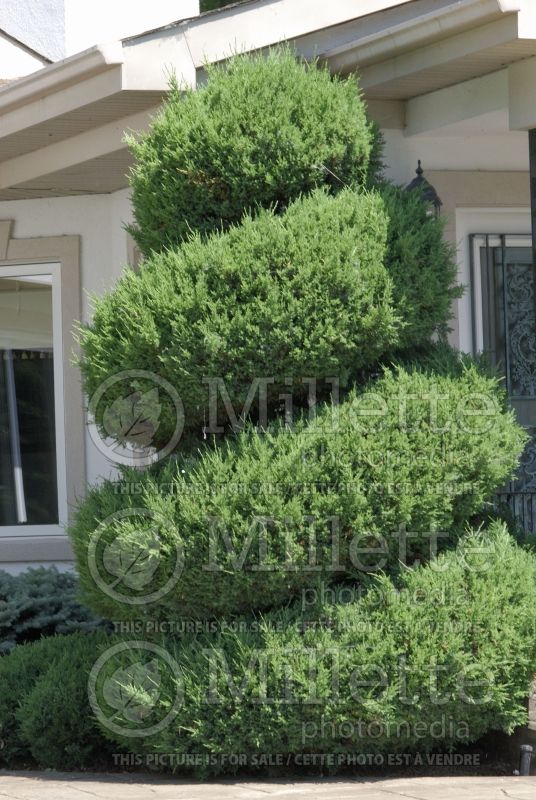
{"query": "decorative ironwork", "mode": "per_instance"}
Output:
(520, 496)
(521, 329)
(525, 480)
(509, 336)
(521, 360)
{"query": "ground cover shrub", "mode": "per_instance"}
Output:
(395, 469)
(433, 664)
(40, 602)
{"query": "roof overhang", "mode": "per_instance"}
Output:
(61, 128)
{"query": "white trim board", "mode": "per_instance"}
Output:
(470, 221)
(53, 270)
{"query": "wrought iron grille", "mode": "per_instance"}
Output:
(502, 274)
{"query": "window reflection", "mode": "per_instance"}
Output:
(28, 481)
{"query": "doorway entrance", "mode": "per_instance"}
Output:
(509, 337)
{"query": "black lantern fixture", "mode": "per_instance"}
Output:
(428, 192)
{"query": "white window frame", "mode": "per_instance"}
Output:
(478, 241)
(44, 546)
(470, 221)
(54, 270)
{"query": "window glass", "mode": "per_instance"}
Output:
(28, 476)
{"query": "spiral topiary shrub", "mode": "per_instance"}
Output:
(254, 521)
(274, 251)
(432, 665)
(263, 130)
(280, 298)
(314, 287)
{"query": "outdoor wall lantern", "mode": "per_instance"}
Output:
(428, 192)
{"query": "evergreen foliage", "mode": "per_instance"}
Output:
(54, 719)
(260, 132)
(281, 298)
(421, 266)
(19, 672)
(275, 249)
(40, 602)
(434, 664)
(416, 450)
(212, 5)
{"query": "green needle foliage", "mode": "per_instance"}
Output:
(274, 250)
(54, 719)
(44, 713)
(421, 266)
(255, 520)
(212, 5)
(40, 602)
(262, 131)
(304, 294)
(432, 665)
(19, 672)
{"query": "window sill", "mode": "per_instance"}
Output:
(27, 531)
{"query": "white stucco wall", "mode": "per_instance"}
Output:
(498, 152)
(38, 23)
(101, 20)
(59, 28)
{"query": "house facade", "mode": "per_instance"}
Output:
(450, 82)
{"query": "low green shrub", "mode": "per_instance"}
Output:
(285, 298)
(40, 602)
(386, 476)
(19, 672)
(421, 265)
(54, 718)
(262, 130)
(436, 663)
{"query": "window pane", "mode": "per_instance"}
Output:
(28, 484)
